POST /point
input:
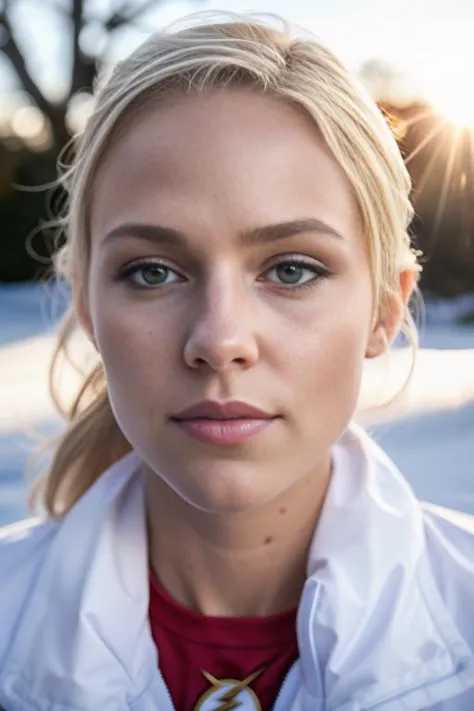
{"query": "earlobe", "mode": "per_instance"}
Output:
(387, 327)
(378, 342)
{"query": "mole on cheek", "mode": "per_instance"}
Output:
(282, 511)
(268, 540)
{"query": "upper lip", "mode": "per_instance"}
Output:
(213, 410)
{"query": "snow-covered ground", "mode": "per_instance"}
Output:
(429, 432)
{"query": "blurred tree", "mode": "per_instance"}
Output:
(88, 28)
(24, 251)
(440, 159)
(78, 17)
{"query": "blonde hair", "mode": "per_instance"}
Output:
(243, 52)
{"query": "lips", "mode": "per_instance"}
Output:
(226, 423)
(232, 410)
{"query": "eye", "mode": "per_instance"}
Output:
(148, 275)
(296, 272)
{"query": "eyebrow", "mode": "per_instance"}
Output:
(257, 235)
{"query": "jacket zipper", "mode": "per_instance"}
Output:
(281, 703)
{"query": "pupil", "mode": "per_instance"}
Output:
(289, 273)
(155, 275)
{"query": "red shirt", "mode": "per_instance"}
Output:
(208, 661)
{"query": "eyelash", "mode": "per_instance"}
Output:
(318, 270)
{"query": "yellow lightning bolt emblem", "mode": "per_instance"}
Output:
(228, 701)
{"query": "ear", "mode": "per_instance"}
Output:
(386, 328)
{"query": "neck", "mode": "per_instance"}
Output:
(247, 564)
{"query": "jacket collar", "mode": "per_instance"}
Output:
(92, 648)
(371, 620)
(372, 627)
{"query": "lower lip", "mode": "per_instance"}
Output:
(223, 431)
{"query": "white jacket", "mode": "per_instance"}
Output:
(385, 623)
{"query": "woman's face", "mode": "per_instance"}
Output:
(228, 264)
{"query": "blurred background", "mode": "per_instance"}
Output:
(416, 57)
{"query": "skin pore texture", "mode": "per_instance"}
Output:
(213, 317)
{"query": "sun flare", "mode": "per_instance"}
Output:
(448, 85)
(454, 107)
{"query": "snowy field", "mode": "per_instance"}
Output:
(429, 432)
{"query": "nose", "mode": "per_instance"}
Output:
(223, 331)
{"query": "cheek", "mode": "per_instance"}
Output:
(138, 345)
(326, 352)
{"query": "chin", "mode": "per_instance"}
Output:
(228, 496)
(218, 487)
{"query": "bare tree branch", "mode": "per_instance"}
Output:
(12, 51)
(122, 8)
(83, 67)
(77, 17)
(117, 17)
(56, 113)
(128, 13)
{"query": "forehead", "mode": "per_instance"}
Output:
(223, 158)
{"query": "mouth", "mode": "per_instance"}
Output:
(225, 423)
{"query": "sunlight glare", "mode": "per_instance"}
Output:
(448, 84)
